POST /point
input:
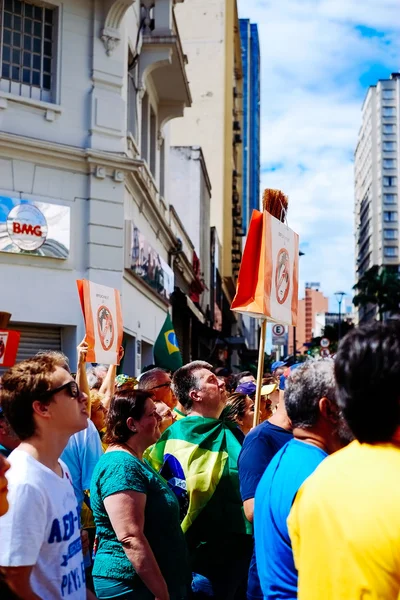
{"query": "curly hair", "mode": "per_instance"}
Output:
(125, 404)
(22, 385)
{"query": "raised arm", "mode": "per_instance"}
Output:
(108, 385)
(126, 512)
(81, 376)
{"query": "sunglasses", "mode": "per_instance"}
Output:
(156, 387)
(70, 386)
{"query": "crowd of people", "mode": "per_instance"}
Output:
(160, 487)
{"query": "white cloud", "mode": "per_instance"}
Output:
(316, 58)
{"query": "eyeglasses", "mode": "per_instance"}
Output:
(71, 386)
(156, 387)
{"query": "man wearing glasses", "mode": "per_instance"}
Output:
(158, 382)
(41, 550)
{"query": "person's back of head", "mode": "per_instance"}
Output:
(367, 370)
(185, 381)
(311, 404)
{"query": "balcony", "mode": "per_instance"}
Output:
(162, 59)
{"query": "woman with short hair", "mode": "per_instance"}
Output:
(141, 551)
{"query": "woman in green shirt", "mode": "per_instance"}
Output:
(141, 550)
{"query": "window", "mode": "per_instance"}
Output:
(388, 94)
(389, 146)
(153, 141)
(388, 111)
(145, 127)
(132, 96)
(27, 49)
(389, 163)
(389, 128)
(390, 198)
(390, 251)
(390, 216)
(390, 234)
(389, 181)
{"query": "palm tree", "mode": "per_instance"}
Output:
(380, 287)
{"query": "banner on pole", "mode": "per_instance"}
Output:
(9, 342)
(101, 307)
(268, 276)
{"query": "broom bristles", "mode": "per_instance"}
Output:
(276, 203)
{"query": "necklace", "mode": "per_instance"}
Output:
(130, 450)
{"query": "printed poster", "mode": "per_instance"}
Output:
(9, 342)
(101, 307)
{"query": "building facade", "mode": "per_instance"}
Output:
(308, 322)
(251, 146)
(376, 181)
(87, 91)
(211, 41)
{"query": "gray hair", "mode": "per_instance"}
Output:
(305, 387)
(185, 380)
(95, 376)
(150, 379)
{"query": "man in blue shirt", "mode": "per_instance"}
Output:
(259, 447)
(318, 430)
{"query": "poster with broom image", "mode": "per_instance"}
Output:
(268, 277)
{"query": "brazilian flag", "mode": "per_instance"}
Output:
(198, 457)
(166, 350)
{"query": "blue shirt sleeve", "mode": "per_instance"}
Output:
(254, 458)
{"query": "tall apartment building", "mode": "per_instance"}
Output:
(251, 144)
(211, 40)
(313, 303)
(376, 181)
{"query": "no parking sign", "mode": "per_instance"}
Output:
(279, 335)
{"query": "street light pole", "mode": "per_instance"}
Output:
(339, 298)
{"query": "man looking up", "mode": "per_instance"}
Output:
(318, 430)
(41, 550)
(345, 522)
(199, 454)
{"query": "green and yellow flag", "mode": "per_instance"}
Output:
(166, 350)
(198, 458)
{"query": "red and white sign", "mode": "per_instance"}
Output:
(101, 307)
(325, 352)
(9, 342)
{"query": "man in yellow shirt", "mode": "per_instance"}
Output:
(345, 522)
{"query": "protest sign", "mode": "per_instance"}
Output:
(9, 342)
(101, 307)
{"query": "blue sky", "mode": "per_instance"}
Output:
(318, 58)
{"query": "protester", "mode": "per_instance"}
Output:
(259, 447)
(345, 522)
(158, 382)
(318, 430)
(168, 416)
(41, 550)
(278, 368)
(8, 440)
(141, 549)
(198, 457)
(6, 592)
(240, 410)
(269, 397)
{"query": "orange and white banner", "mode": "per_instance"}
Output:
(268, 278)
(9, 342)
(101, 307)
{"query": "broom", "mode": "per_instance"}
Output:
(276, 203)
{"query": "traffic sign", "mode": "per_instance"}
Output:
(325, 343)
(325, 352)
(279, 330)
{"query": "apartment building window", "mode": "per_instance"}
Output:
(389, 146)
(389, 128)
(132, 97)
(388, 94)
(390, 251)
(27, 49)
(388, 111)
(145, 127)
(153, 141)
(390, 198)
(390, 216)
(389, 163)
(389, 181)
(390, 234)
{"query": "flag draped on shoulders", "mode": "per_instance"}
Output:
(198, 456)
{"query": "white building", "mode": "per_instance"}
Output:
(376, 180)
(86, 92)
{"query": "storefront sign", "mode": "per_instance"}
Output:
(146, 263)
(34, 228)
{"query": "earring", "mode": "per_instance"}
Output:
(133, 429)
